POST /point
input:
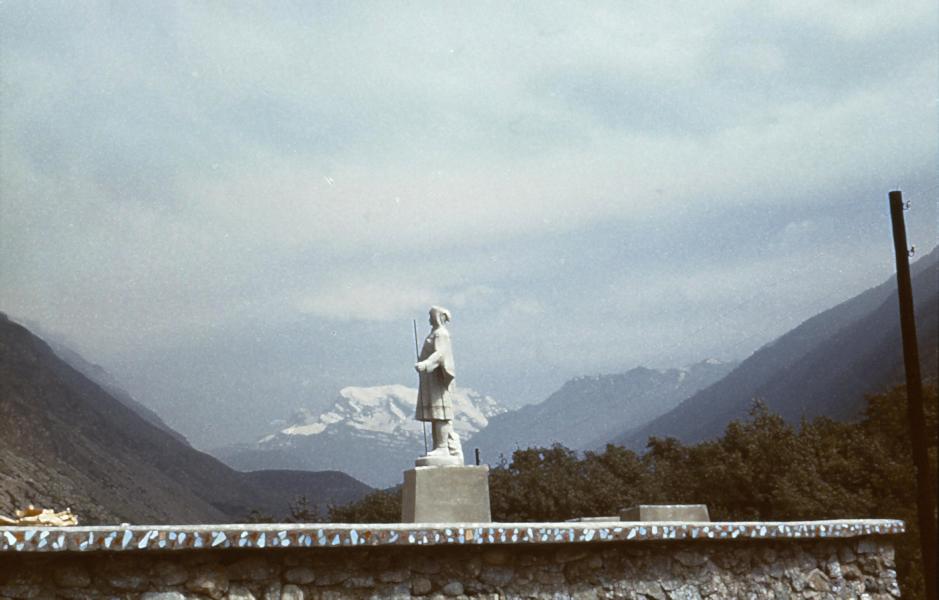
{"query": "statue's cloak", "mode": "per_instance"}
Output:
(434, 396)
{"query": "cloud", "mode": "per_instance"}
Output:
(366, 300)
(579, 183)
(387, 297)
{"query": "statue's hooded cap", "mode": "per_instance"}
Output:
(442, 339)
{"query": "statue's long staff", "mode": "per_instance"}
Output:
(417, 353)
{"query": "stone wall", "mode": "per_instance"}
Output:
(848, 567)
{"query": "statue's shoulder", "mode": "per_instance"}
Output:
(441, 333)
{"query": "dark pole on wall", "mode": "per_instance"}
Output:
(914, 395)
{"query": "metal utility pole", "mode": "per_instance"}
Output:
(914, 395)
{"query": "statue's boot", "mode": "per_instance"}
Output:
(439, 432)
(446, 441)
(453, 444)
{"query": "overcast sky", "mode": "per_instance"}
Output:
(238, 208)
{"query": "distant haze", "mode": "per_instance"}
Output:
(237, 210)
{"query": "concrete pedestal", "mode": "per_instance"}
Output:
(454, 494)
(666, 512)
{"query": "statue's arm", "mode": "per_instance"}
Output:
(441, 349)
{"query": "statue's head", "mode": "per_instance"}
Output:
(439, 316)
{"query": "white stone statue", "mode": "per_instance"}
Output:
(434, 403)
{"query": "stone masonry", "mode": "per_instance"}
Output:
(823, 568)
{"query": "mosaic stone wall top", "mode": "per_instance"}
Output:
(331, 535)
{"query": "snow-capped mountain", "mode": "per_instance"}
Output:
(368, 432)
(386, 409)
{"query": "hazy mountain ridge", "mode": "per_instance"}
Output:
(68, 437)
(65, 441)
(369, 432)
(103, 378)
(586, 411)
(822, 367)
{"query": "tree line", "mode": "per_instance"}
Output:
(761, 468)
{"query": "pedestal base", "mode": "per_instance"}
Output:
(446, 460)
(455, 494)
(666, 512)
